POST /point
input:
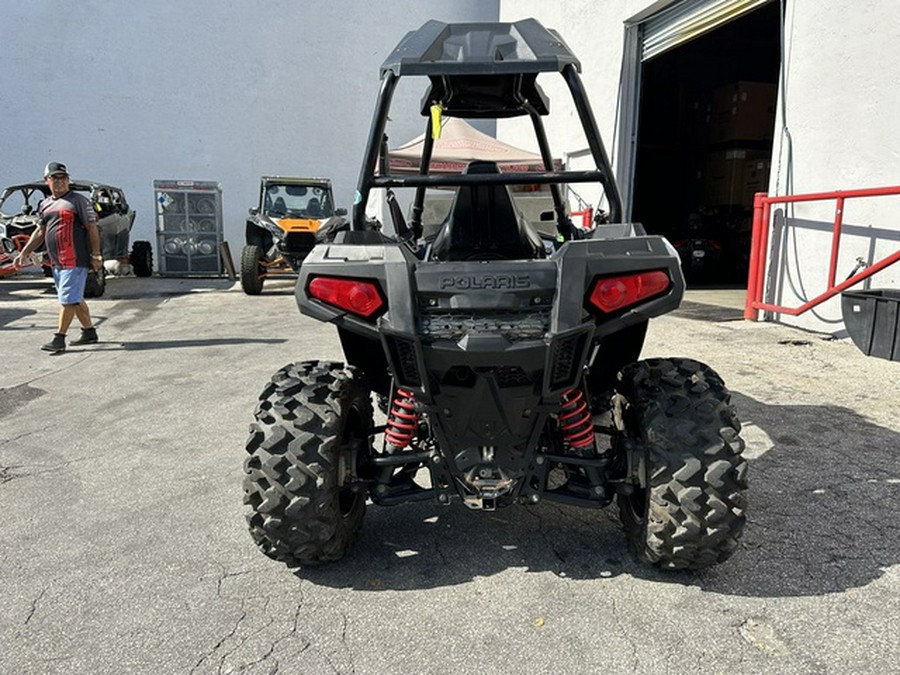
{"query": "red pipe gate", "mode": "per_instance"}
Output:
(762, 213)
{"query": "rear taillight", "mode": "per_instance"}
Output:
(610, 294)
(357, 296)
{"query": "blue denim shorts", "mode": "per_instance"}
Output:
(70, 284)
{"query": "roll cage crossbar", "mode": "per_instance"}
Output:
(525, 178)
(545, 52)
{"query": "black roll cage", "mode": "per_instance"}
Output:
(547, 53)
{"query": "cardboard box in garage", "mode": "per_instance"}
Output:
(743, 111)
(732, 177)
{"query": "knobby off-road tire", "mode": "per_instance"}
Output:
(300, 505)
(252, 272)
(682, 432)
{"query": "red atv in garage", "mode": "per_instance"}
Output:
(505, 361)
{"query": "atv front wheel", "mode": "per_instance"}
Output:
(680, 435)
(253, 273)
(313, 421)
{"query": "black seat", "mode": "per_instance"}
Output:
(484, 224)
(313, 209)
(279, 207)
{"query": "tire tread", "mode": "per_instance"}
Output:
(682, 419)
(290, 474)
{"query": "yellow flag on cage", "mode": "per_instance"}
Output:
(437, 111)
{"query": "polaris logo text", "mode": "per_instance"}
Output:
(488, 282)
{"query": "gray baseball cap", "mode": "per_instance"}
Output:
(54, 168)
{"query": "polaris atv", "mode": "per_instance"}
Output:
(281, 230)
(505, 363)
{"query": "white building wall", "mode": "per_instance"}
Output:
(839, 97)
(127, 93)
(840, 103)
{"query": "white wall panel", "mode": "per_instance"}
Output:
(228, 91)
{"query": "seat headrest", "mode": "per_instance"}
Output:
(481, 166)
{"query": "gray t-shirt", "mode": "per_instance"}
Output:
(65, 233)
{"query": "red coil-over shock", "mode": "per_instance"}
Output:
(402, 420)
(575, 420)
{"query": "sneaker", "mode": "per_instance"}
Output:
(88, 337)
(56, 345)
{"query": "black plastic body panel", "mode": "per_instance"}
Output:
(439, 48)
(484, 346)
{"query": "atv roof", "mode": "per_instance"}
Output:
(439, 48)
(482, 69)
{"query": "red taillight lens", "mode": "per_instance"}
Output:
(611, 294)
(356, 296)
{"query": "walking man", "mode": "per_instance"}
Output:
(68, 225)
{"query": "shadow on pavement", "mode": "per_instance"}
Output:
(8, 316)
(26, 287)
(824, 517)
(824, 512)
(703, 312)
(29, 286)
(178, 344)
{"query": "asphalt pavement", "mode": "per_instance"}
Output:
(124, 549)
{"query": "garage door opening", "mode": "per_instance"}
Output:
(705, 128)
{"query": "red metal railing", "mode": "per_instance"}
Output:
(762, 213)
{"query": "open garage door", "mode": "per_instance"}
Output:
(697, 117)
(687, 20)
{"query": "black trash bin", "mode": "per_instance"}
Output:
(872, 319)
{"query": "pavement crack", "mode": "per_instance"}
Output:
(228, 575)
(344, 623)
(245, 639)
(292, 631)
(437, 540)
(34, 605)
(8, 473)
(209, 654)
(561, 558)
(625, 632)
(218, 648)
(265, 657)
(57, 371)
(7, 441)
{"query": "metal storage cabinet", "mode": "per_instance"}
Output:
(189, 227)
